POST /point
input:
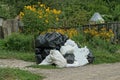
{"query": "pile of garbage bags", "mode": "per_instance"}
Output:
(55, 48)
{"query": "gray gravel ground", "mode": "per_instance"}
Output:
(89, 72)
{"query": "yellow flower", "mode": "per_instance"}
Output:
(57, 19)
(110, 30)
(48, 9)
(39, 12)
(40, 17)
(59, 12)
(56, 12)
(21, 14)
(46, 21)
(103, 29)
(32, 8)
(41, 5)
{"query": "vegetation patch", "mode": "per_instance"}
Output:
(44, 66)
(27, 56)
(16, 74)
(103, 56)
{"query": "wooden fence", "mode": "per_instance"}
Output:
(12, 25)
(9, 26)
(115, 26)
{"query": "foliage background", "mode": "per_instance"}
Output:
(74, 12)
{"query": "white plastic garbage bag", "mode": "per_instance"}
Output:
(66, 49)
(81, 55)
(71, 43)
(55, 57)
(46, 61)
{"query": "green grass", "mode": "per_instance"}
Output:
(103, 56)
(16, 74)
(44, 66)
(27, 56)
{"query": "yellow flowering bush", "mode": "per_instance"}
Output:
(69, 32)
(103, 33)
(38, 18)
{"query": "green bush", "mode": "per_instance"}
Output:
(19, 42)
(7, 11)
(97, 42)
(19, 4)
(2, 44)
(38, 18)
(80, 39)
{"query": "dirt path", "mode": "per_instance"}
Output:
(89, 72)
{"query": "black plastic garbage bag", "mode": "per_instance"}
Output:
(38, 58)
(70, 58)
(41, 54)
(50, 40)
(90, 57)
(44, 43)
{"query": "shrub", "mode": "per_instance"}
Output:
(80, 39)
(2, 44)
(7, 11)
(100, 39)
(38, 18)
(99, 43)
(95, 42)
(19, 4)
(103, 33)
(19, 42)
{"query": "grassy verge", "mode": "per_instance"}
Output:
(44, 66)
(27, 56)
(16, 74)
(103, 56)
